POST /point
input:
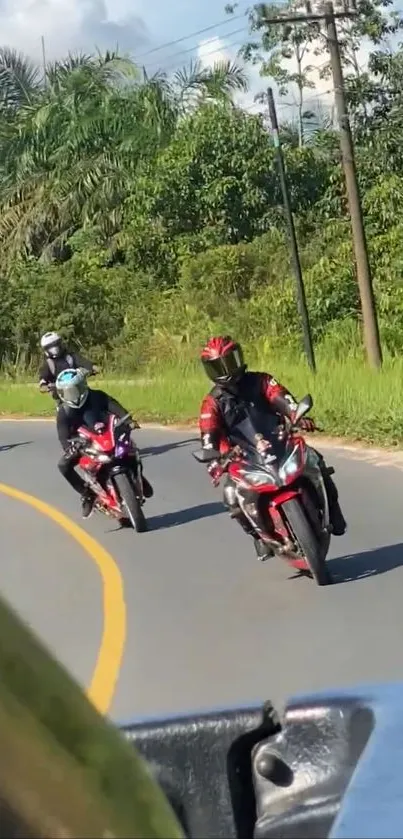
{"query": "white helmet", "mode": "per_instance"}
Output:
(51, 343)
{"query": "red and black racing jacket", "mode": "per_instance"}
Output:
(220, 408)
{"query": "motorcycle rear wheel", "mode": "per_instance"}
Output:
(131, 503)
(308, 541)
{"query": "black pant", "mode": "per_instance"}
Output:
(66, 466)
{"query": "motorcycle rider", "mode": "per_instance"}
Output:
(234, 385)
(58, 358)
(81, 406)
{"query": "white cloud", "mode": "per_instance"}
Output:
(81, 25)
(322, 92)
(320, 96)
(70, 25)
(215, 49)
(212, 50)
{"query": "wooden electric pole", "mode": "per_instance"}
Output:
(299, 282)
(370, 324)
(368, 306)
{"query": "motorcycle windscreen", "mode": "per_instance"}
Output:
(90, 418)
(253, 422)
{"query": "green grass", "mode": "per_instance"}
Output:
(349, 399)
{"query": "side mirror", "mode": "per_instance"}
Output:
(206, 455)
(304, 406)
(123, 420)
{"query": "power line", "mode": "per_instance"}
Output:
(226, 46)
(313, 98)
(208, 29)
(282, 105)
(205, 55)
(192, 35)
(196, 46)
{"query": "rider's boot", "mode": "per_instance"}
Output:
(87, 503)
(337, 520)
(147, 488)
(232, 503)
(263, 551)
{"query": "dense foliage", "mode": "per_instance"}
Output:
(138, 214)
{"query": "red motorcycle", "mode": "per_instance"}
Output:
(285, 477)
(112, 467)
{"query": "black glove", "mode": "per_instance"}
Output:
(307, 424)
(74, 447)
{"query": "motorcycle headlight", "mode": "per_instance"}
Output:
(292, 464)
(96, 451)
(256, 478)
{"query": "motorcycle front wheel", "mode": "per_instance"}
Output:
(130, 502)
(307, 541)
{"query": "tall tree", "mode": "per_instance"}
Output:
(70, 156)
(283, 51)
(289, 53)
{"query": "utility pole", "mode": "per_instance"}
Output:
(44, 61)
(299, 282)
(368, 306)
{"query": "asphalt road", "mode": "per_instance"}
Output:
(206, 623)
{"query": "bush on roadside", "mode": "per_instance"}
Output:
(130, 319)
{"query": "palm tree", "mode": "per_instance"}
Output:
(20, 80)
(73, 151)
(289, 132)
(194, 84)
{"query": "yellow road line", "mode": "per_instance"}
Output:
(106, 672)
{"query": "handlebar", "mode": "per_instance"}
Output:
(208, 456)
(88, 373)
(293, 428)
(225, 460)
(50, 387)
(127, 418)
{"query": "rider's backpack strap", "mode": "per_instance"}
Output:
(52, 366)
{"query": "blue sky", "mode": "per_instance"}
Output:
(142, 27)
(138, 25)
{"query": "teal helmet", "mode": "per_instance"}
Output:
(72, 388)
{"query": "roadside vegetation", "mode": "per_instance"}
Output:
(349, 399)
(139, 215)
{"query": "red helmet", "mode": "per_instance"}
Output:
(222, 359)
